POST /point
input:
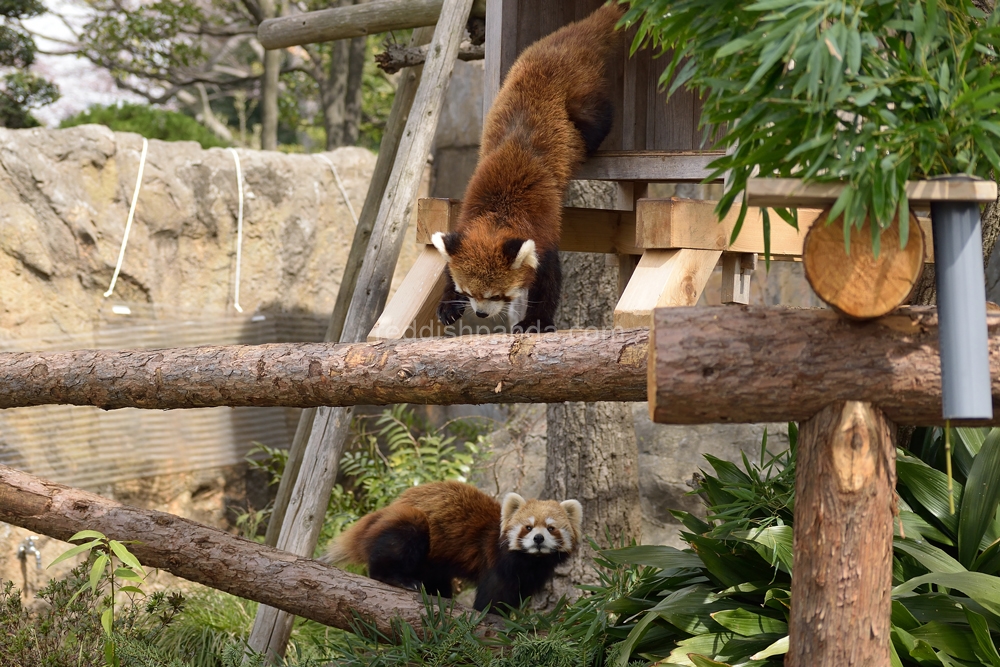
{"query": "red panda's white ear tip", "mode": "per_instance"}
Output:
(575, 512)
(438, 240)
(526, 256)
(511, 503)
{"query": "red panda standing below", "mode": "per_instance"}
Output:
(437, 532)
(552, 111)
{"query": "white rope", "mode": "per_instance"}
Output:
(128, 223)
(340, 186)
(239, 229)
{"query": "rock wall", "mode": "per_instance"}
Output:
(64, 201)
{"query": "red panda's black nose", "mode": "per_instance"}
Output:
(539, 538)
(480, 313)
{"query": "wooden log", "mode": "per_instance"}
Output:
(844, 495)
(209, 556)
(739, 364)
(502, 368)
(327, 25)
(396, 57)
(859, 284)
(794, 193)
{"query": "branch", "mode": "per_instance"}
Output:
(209, 556)
(396, 56)
(503, 368)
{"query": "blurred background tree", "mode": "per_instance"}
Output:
(202, 58)
(20, 90)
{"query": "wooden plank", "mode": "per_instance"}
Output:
(501, 43)
(793, 192)
(737, 270)
(845, 483)
(664, 278)
(692, 223)
(411, 312)
(673, 166)
(331, 426)
(327, 25)
(583, 229)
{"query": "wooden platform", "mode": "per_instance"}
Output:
(678, 243)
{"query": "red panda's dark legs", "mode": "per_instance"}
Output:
(397, 555)
(452, 303)
(543, 296)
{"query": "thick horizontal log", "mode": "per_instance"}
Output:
(327, 25)
(752, 364)
(209, 556)
(501, 368)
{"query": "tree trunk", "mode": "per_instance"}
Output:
(353, 97)
(209, 556)
(591, 450)
(333, 89)
(269, 88)
(842, 579)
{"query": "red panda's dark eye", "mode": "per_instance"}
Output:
(549, 528)
(496, 298)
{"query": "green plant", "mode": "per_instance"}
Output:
(114, 570)
(415, 454)
(20, 89)
(871, 92)
(150, 122)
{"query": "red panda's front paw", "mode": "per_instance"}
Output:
(538, 326)
(449, 311)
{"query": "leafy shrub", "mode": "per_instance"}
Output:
(869, 92)
(150, 122)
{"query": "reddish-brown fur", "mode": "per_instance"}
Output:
(463, 521)
(533, 140)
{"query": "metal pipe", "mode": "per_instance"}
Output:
(28, 547)
(961, 297)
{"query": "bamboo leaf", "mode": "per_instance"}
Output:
(979, 503)
(747, 623)
(69, 553)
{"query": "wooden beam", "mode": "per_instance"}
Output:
(753, 364)
(686, 166)
(212, 557)
(793, 192)
(737, 270)
(412, 312)
(845, 483)
(583, 229)
(692, 223)
(664, 278)
(502, 368)
(327, 25)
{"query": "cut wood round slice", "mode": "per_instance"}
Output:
(860, 285)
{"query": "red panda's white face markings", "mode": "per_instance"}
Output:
(491, 272)
(540, 526)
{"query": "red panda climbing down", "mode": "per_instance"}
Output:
(553, 110)
(437, 532)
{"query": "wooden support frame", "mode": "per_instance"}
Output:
(664, 278)
(792, 192)
(737, 269)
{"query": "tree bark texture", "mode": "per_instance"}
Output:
(501, 368)
(396, 57)
(366, 18)
(207, 555)
(842, 578)
(739, 364)
(591, 449)
(352, 96)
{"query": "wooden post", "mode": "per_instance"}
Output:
(842, 577)
(311, 492)
(398, 116)
(737, 269)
